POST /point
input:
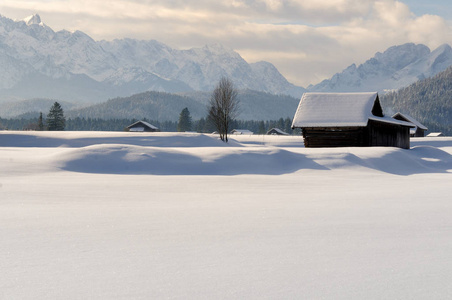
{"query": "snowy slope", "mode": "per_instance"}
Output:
(397, 67)
(82, 217)
(117, 68)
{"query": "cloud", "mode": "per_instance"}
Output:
(307, 40)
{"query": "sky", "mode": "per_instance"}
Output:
(307, 40)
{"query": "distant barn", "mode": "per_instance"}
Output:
(419, 129)
(241, 131)
(142, 126)
(276, 131)
(435, 134)
(348, 120)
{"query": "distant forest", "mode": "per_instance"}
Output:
(428, 100)
(201, 125)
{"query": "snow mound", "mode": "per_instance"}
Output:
(419, 159)
(127, 159)
(199, 154)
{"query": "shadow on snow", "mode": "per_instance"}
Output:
(123, 159)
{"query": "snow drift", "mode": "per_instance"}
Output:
(198, 154)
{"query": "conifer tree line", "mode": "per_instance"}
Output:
(95, 124)
(428, 100)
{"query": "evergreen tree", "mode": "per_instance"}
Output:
(261, 129)
(40, 123)
(201, 125)
(55, 118)
(185, 122)
(288, 125)
(280, 124)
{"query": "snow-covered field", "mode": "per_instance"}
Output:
(91, 215)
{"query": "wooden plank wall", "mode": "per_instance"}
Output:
(335, 137)
(392, 135)
(375, 134)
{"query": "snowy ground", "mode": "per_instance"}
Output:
(89, 215)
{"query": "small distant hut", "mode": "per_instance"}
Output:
(241, 132)
(142, 126)
(348, 120)
(435, 134)
(419, 129)
(276, 131)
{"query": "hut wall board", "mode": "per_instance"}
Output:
(384, 134)
(335, 137)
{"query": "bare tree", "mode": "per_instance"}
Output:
(223, 107)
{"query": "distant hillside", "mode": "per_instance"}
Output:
(256, 105)
(150, 105)
(30, 108)
(428, 100)
(167, 107)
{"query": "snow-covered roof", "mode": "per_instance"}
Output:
(340, 110)
(144, 123)
(435, 134)
(241, 131)
(410, 119)
(391, 121)
(279, 131)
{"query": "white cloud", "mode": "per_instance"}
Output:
(307, 40)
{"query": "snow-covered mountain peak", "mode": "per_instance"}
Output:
(397, 57)
(36, 54)
(396, 67)
(33, 20)
(217, 48)
(444, 47)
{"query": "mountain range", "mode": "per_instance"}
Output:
(38, 64)
(397, 67)
(41, 63)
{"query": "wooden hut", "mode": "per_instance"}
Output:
(348, 120)
(241, 132)
(276, 131)
(435, 134)
(418, 130)
(142, 126)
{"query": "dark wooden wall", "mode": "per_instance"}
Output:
(335, 137)
(386, 134)
(419, 133)
(375, 134)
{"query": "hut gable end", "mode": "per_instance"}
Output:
(376, 109)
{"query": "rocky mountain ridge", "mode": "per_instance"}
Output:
(397, 67)
(39, 62)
